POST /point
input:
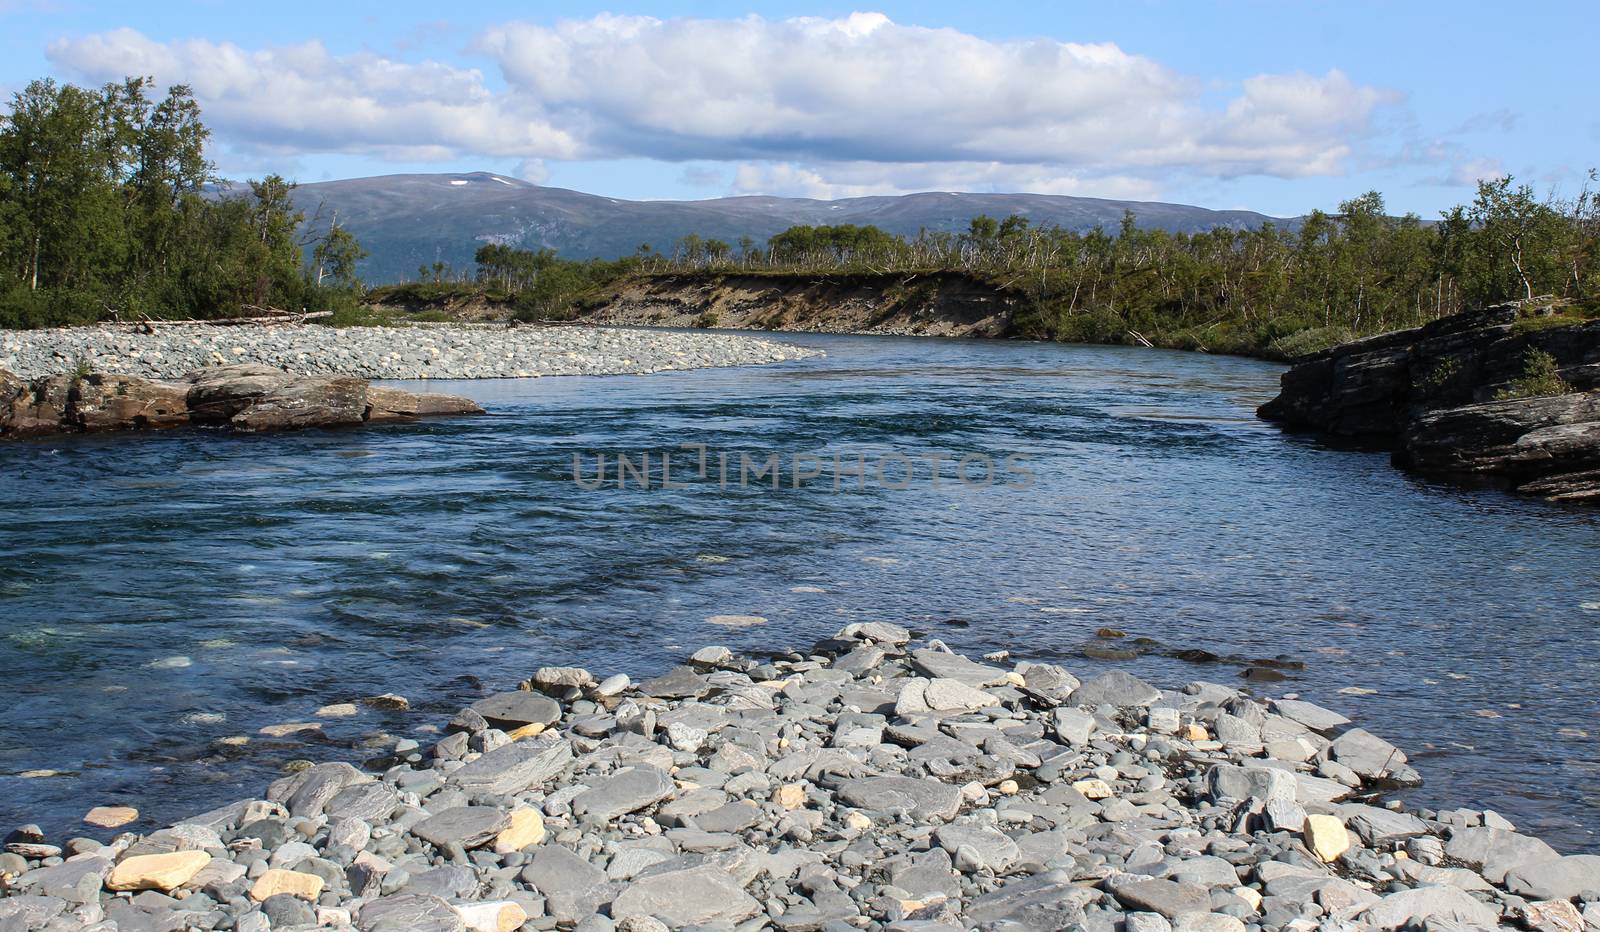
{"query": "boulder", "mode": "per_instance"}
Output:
(1116, 688)
(1561, 879)
(391, 405)
(121, 402)
(690, 897)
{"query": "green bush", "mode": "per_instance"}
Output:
(1539, 378)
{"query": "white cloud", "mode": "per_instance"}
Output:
(859, 103)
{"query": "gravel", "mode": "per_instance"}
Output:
(445, 351)
(814, 798)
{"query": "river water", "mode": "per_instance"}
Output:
(161, 593)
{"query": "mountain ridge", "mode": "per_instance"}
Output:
(411, 220)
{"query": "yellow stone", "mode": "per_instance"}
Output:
(1196, 732)
(1325, 835)
(790, 795)
(526, 828)
(111, 816)
(857, 821)
(295, 883)
(1249, 895)
(530, 730)
(338, 710)
(1008, 788)
(493, 916)
(1015, 678)
(163, 872)
(1094, 789)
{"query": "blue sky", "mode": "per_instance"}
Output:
(1277, 107)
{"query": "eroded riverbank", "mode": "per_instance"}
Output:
(867, 783)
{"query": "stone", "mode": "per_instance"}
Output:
(1093, 789)
(492, 916)
(677, 683)
(1167, 897)
(1554, 916)
(790, 795)
(1227, 781)
(306, 401)
(467, 826)
(555, 679)
(1309, 714)
(101, 401)
(526, 830)
(1425, 904)
(948, 694)
(162, 872)
(1207, 922)
(406, 913)
(937, 664)
(1326, 836)
(288, 911)
(994, 850)
(372, 803)
(925, 799)
(1366, 753)
(572, 886)
(1494, 852)
(1146, 922)
(693, 896)
(1562, 878)
(76, 880)
(1073, 726)
(628, 791)
(515, 767)
(111, 816)
(1116, 688)
(389, 405)
(1048, 901)
(512, 710)
(276, 882)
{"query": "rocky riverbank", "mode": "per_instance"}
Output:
(1491, 395)
(248, 398)
(870, 783)
(423, 351)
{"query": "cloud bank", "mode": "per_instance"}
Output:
(857, 104)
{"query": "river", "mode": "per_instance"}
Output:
(162, 593)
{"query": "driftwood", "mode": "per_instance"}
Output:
(270, 317)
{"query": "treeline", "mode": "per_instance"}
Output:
(105, 214)
(1272, 290)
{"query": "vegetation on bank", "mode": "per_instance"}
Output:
(108, 211)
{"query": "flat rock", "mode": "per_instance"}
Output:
(1227, 781)
(156, 871)
(515, 767)
(1032, 899)
(948, 694)
(1561, 879)
(937, 664)
(409, 913)
(467, 826)
(627, 791)
(994, 848)
(694, 896)
(1496, 851)
(677, 683)
(1167, 897)
(1366, 753)
(1309, 714)
(512, 710)
(925, 799)
(1116, 688)
(1420, 905)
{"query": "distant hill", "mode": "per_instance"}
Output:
(409, 220)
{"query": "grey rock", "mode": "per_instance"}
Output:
(1073, 726)
(75, 881)
(288, 912)
(1427, 904)
(938, 664)
(1496, 851)
(515, 709)
(1309, 714)
(995, 850)
(1146, 922)
(1051, 894)
(677, 683)
(515, 767)
(1561, 879)
(370, 802)
(691, 896)
(1227, 781)
(925, 799)
(928, 874)
(1114, 687)
(406, 913)
(467, 826)
(1366, 753)
(1167, 897)
(448, 882)
(628, 791)
(573, 888)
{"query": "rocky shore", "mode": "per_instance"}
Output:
(423, 351)
(1450, 399)
(870, 783)
(249, 398)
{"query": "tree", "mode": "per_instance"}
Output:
(336, 257)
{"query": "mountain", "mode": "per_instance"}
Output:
(409, 220)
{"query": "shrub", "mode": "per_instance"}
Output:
(1539, 378)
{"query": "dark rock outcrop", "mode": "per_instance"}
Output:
(243, 397)
(1435, 396)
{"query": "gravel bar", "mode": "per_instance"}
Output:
(445, 351)
(869, 783)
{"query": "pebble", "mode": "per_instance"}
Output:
(882, 787)
(422, 351)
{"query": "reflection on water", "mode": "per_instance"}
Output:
(164, 597)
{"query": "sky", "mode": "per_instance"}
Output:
(1279, 107)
